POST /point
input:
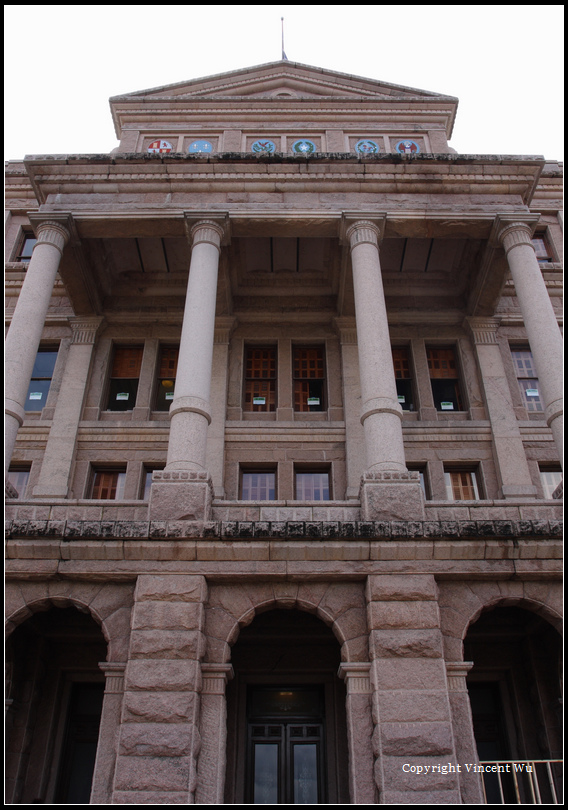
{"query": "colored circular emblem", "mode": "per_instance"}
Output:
(259, 147)
(366, 147)
(200, 146)
(160, 147)
(407, 147)
(304, 147)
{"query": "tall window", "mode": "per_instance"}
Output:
(108, 485)
(403, 377)
(124, 376)
(550, 478)
(167, 370)
(542, 248)
(312, 485)
(41, 379)
(260, 379)
(26, 248)
(258, 485)
(444, 378)
(19, 476)
(527, 379)
(461, 485)
(147, 480)
(309, 379)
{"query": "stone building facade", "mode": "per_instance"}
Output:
(283, 435)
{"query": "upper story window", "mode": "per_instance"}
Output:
(260, 379)
(461, 485)
(124, 376)
(543, 248)
(527, 379)
(41, 379)
(257, 485)
(550, 478)
(108, 485)
(19, 476)
(309, 379)
(403, 377)
(27, 245)
(444, 378)
(312, 485)
(167, 370)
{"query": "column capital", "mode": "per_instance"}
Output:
(512, 229)
(207, 228)
(214, 678)
(357, 677)
(85, 329)
(55, 229)
(456, 672)
(361, 228)
(483, 330)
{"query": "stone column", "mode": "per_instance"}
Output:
(355, 460)
(411, 709)
(103, 776)
(539, 319)
(184, 489)
(220, 381)
(159, 738)
(53, 479)
(471, 786)
(389, 490)
(359, 731)
(24, 335)
(509, 453)
(212, 761)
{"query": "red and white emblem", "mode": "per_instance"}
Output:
(160, 147)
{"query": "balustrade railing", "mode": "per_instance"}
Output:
(537, 781)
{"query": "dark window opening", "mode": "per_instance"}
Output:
(124, 376)
(167, 370)
(260, 379)
(444, 378)
(403, 378)
(40, 382)
(309, 379)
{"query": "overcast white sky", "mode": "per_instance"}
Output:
(504, 63)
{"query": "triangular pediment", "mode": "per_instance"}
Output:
(281, 80)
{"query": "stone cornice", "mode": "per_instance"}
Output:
(389, 174)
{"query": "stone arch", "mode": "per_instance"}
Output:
(340, 606)
(109, 604)
(462, 603)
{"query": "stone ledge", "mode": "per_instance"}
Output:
(69, 530)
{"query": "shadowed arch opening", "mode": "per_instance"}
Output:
(515, 692)
(287, 740)
(55, 693)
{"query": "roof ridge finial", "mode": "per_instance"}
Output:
(284, 57)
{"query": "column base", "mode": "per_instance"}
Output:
(180, 495)
(391, 496)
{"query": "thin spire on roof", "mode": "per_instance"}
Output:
(284, 57)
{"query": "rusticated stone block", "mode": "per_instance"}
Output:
(152, 773)
(401, 587)
(156, 739)
(163, 676)
(406, 644)
(159, 707)
(171, 588)
(166, 644)
(167, 616)
(409, 706)
(416, 739)
(149, 797)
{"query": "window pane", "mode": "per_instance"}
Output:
(265, 773)
(461, 485)
(309, 374)
(41, 380)
(167, 370)
(122, 395)
(108, 485)
(19, 480)
(258, 486)
(305, 774)
(312, 486)
(527, 379)
(260, 380)
(549, 479)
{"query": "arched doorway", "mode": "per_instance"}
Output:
(514, 689)
(287, 741)
(55, 695)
